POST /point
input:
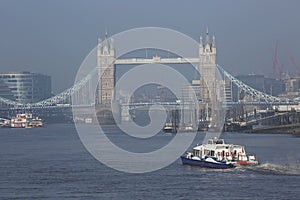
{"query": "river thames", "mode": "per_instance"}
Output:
(52, 163)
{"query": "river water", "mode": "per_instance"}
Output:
(52, 163)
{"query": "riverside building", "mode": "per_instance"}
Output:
(25, 87)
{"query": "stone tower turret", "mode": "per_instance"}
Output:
(207, 69)
(106, 70)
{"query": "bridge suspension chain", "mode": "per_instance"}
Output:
(66, 94)
(9, 102)
(253, 92)
(55, 99)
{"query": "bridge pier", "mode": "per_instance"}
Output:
(108, 114)
(125, 115)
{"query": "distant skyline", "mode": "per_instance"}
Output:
(53, 37)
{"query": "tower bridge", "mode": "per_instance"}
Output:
(106, 68)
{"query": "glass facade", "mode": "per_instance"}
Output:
(260, 82)
(5, 92)
(25, 87)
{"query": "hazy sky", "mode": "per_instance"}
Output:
(54, 36)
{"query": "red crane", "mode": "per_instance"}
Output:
(275, 61)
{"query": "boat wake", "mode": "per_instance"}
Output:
(269, 168)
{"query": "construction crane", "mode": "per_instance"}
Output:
(275, 62)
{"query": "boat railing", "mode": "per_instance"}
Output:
(216, 141)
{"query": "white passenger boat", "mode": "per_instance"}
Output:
(25, 120)
(20, 120)
(216, 154)
(35, 122)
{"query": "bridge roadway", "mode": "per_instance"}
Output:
(156, 59)
(140, 104)
(176, 104)
(60, 106)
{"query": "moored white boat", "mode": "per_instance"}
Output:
(169, 127)
(20, 120)
(35, 122)
(4, 122)
(216, 154)
(25, 120)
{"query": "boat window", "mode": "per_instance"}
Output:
(206, 152)
(223, 153)
(196, 152)
(212, 153)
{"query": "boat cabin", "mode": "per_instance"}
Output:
(218, 149)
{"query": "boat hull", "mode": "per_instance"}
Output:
(202, 163)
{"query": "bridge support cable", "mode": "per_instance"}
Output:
(9, 102)
(67, 93)
(249, 90)
(60, 98)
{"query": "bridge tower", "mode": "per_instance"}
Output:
(106, 70)
(207, 68)
(106, 79)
